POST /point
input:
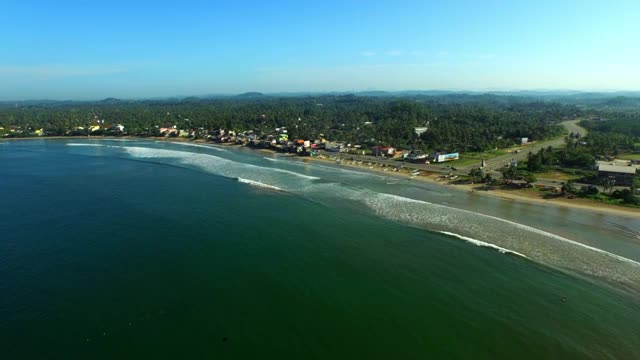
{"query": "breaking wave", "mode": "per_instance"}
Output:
(541, 246)
(83, 144)
(479, 229)
(225, 167)
(212, 147)
(259, 184)
(482, 243)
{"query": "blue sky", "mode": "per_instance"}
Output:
(133, 49)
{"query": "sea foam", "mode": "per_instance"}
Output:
(228, 168)
(482, 243)
(482, 230)
(212, 147)
(83, 144)
(259, 184)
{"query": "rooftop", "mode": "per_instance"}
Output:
(617, 169)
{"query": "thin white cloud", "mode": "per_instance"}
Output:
(368, 53)
(58, 71)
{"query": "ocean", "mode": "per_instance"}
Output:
(150, 249)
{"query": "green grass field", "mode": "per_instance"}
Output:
(558, 175)
(627, 156)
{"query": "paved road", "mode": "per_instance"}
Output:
(492, 166)
(573, 127)
(500, 161)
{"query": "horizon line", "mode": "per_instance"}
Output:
(330, 92)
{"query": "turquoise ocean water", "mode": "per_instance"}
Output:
(142, 249)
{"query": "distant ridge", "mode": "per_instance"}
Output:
(110, 100)
(251, 94)
(604, 100)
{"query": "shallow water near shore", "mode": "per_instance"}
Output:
(151, 249)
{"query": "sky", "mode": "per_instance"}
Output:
(140, 49)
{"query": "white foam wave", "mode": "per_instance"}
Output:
(308, 177)
(83, 144)
(518, 225)
(479, 229)
(483, 244)
(259, 184)
(340, 170)
(357, 173)
(228, 168)
(538, 245)
(212, 147)
(557, 237)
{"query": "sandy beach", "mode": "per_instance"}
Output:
(524, 195)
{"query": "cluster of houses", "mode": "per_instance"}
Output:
(278, 139)
(174, 131)
(11, 131)
(99, 126)
(95, 126)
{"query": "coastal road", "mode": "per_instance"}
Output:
(492, 165)
(502, 160)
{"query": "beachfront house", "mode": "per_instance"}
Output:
(166, 131)
(383, 150)
(621, 175)
(335, 146)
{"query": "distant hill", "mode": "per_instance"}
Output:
(628, 101)
(110, 101)
(251, 94)
(373, 93)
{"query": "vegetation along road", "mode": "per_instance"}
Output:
(502, 160)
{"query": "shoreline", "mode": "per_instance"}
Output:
(405, 173)
(477, 189)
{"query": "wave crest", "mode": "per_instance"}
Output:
(259, 184)
(483, 244)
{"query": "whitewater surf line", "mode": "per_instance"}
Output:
(538, 245)
(258, 184)
(83, 144)
(521, 226)
(212, 147)
(483, 244)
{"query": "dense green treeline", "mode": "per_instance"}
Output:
(610, 135)
(475, 124)
(615, 122)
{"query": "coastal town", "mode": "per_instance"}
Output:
(490, 172)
